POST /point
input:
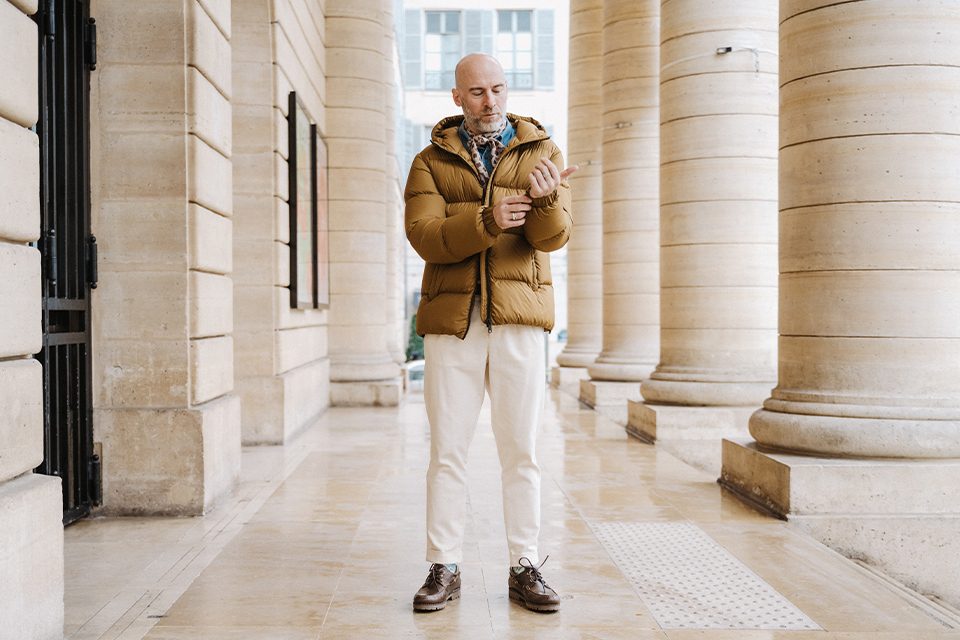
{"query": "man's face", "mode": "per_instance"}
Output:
(482, 94)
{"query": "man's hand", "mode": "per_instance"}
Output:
(511, 211)
(545, 178)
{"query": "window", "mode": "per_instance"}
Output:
(443, 47)
(515, 47)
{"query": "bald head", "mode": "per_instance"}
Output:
(481, 92)
(474, 64)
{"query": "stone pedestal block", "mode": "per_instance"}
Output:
(568, 378)
(31, 558)
(169, 461)
(653, 422)
(900, 515)
(376, 393)
(609, 398)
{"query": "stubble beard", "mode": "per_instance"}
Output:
(477, 124)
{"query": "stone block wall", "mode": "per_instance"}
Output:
(162, 207)
(31, 534)
(282, 368)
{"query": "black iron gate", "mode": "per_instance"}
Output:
(67, 54)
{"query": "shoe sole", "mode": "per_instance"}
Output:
(539, 608)
(438, 606)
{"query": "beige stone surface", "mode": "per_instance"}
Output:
(21, 405)
(630, 192)
(868, 327)
(18, 66)
(20, 292)
(211, 240)
(125, 313)
(158, 462)
(142, 33)
(221, 432)
(208, 112)
(298, 346)
(584, 253)
(208, 50)
(210, 181)
(358, 182)
(367, 393)
(29, 7)
(219, 12)
(211, 304)
(19, 183)
(126, 172)
(140, 97)
(211, 368)
(653, 422)
(31, 559)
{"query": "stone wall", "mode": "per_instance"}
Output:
(162, 203)
(282, 364)
(31, 535)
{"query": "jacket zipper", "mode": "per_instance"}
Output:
(484, 268)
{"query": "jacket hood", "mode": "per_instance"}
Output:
(445, 134)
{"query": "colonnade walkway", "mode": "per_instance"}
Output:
(324, 539)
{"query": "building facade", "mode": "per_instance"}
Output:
(766, 247)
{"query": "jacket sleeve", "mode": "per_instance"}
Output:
(550, 221)
(440, 239)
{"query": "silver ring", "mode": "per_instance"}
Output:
(513, 216)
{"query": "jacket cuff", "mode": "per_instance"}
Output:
(546, 201)
(489, 222)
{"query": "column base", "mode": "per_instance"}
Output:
(609, 398)
(568, 379)
(898, 515)
(367, 393)
(692, 434)
(169, 462)
(705, 393)
(577, 358)
(31, 592)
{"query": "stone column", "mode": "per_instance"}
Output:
(718, 219)
(362, 371)
(393, 196)
(869, 382)
(584, 283)
(31, 527)
(631, 251)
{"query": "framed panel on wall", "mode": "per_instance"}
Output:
(321, 220)
(303, 253)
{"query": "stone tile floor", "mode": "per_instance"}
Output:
(324, 539)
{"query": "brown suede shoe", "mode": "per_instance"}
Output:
(441, 586)
(530, 589)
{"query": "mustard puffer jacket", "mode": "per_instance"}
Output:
(449, 222)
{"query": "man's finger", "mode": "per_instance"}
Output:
(566, 172)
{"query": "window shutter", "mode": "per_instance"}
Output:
(412, 49)
(478, 32)
(543, 49)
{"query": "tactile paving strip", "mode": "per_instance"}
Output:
(688, 581)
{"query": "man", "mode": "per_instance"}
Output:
(484, 202)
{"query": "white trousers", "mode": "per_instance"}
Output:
(509, 363)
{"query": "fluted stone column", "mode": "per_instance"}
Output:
(631, 249)
(718, 219)
(584, 282)
(362, 371)
(869, 362)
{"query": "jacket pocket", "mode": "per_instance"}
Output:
(535, 273)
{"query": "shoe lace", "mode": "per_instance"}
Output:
(436, 574)
(534, 571)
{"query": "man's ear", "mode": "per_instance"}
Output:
(456, 97)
